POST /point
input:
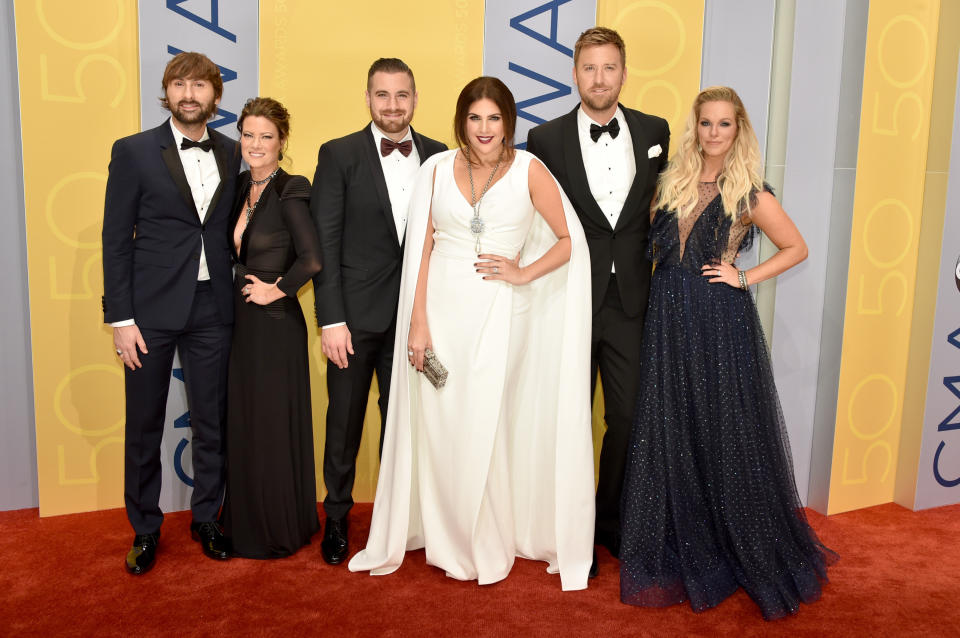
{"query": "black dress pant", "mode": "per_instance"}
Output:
(204, 346)
(347, 392)
(615, 352)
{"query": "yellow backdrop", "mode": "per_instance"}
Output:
(891, 166)
(321, 80)
(79, 90)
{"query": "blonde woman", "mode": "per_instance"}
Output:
(709, 499)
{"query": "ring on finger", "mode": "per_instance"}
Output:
(119, 351)
(496, 269)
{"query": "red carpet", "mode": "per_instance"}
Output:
(898, 575)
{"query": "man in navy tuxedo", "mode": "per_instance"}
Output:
(167, 286)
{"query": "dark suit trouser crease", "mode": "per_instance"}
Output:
(204, 346)
(348, 390)
(615, 352)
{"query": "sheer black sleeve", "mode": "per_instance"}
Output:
(295, 209)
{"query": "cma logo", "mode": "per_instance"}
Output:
(215, 31)
(951, 422)
(182, 421)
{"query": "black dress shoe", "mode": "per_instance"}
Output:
(214, 543)
(334, 545)
(594, 566)
(141, 556)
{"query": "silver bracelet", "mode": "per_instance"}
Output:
(742, 276)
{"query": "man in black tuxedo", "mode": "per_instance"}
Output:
(607, 158)
(359, 202)
(167, 286)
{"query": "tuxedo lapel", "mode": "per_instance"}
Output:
(573, 156)
(220, 153)
(380, 183)
(638, 139)
(171, 157)
(418, 142)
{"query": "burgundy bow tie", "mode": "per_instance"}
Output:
(387, 145)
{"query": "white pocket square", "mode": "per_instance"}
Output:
(654, 151)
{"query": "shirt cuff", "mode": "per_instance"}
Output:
(333, 325)
(125, 322)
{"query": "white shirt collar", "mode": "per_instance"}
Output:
(378, 134)
(178, 137)
(584, 120)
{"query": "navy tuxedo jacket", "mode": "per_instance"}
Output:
(362, 255)
(557, 144)
(152, 232)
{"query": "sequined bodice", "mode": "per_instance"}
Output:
(704, 236)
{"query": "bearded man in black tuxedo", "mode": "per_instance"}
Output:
(166, 287)
(359, 202)
(607, 158)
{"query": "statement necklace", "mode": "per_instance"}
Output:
(255, 182)
(476, 224)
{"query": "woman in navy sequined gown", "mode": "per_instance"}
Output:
(709, 499)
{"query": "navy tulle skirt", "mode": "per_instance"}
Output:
(709, 499)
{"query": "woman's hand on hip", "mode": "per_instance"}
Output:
(498, 267)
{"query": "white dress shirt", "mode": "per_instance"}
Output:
(398, 172)
(609, 163)
(203, 176)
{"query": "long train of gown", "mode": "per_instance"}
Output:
(498, 463)
(709, 500)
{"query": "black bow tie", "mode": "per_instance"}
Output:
(613, 128)
(205, 145)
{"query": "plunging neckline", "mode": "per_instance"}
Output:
(453, 174)
(693, 227)
(240, 250)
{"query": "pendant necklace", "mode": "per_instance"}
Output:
(476, 223)
(250, 209)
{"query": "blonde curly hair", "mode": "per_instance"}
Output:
(742, 173)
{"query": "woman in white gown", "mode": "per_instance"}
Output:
(498, 463)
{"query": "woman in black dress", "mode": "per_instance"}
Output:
(709, 499)
(270, 508)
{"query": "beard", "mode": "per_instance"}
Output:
(598, 103)
(200, 116)
(392, 126)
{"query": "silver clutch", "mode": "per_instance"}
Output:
(433, 370)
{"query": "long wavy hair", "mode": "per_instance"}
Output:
(742, 173)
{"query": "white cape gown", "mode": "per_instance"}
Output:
(499, 462)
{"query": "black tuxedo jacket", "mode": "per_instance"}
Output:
(360, 280)
(557, 144)
(152, 232)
